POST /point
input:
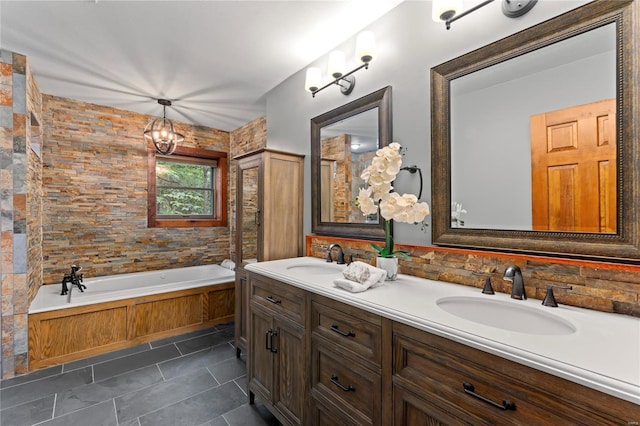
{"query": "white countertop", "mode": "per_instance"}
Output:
(603, 353)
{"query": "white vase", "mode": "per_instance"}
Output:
(389, 264)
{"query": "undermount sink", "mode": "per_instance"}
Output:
(512, 316)
(316, 268)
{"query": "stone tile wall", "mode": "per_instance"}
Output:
(250, 137)
(15, 270)
(338, 149)
(607, 287)
(95, 195)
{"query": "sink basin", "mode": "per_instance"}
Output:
(506, 315)
(316, 268)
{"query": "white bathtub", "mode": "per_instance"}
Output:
(124, 286)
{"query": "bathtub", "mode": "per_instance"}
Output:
(123, 286)
(124, 310)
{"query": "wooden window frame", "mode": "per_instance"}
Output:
(219, 181)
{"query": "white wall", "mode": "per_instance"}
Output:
(409, 45)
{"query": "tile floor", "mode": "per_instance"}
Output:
(193, 379)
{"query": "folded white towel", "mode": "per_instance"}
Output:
(229, 264)
(375, 278)
(357, 271)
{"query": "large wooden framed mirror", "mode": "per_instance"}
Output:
(536, 135)
(343, 142)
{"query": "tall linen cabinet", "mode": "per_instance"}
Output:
(269, 209)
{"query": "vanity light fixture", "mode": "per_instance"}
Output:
(365, 51)
(448, 11)
(162, 132)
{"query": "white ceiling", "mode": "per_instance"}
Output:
(215, 60)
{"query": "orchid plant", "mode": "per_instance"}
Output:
(456, 214)
(379, 195)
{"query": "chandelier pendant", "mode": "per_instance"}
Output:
(162, 132)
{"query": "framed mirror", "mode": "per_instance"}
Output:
(535, 137)
(343, 142)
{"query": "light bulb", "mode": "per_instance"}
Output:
(365, 47)
(312, 81)
(445, 9)
(337, 64)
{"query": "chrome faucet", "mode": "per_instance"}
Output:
(339, 258)
(513, 274)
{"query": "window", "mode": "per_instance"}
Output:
(187, 188)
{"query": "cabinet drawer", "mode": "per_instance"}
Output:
(342, 382)
(438, 369)
(282, 298)
(353, 329)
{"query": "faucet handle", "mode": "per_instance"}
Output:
(488, 288)
(549, 298)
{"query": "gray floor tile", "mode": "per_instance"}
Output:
(198, 409)
(146, 400)
(218, 421)
(36, 375)
(195, 361)
(228, 325)
(134, 362)
(133, 422)
(48, 386)
(29, 413)
(103, 414)
(181, 337)
(105, 357)
(251, 415)
(229, 369)
(94, 393)
(206, 341)
(243, 384)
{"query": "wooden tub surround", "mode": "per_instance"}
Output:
(64, 335)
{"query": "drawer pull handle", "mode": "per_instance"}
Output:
(272, 300)
(335, 328)
(506, 404)
(269, 342)
(334, 380)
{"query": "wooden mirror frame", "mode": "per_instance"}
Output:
(380, 99)
(624, 245)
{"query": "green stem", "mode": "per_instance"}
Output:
(388, 239)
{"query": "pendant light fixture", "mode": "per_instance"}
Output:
(162, 133)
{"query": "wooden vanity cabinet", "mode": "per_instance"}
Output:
(269, 209)
(430, 373)
(316, 361)
(347, 358)
(277, 348)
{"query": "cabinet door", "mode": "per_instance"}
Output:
(290, 370)
(262, 335)
(411, 410)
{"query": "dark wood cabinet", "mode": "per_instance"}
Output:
(347, 357)
(277, 348)
(316, 361)
(437, 378)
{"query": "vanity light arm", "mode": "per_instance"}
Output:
(342, 77)
(466, 12)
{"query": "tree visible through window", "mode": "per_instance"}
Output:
(184, 189)
(187, 188)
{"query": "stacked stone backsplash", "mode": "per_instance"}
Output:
(607, 287)
(250, 137)
(95, 195)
